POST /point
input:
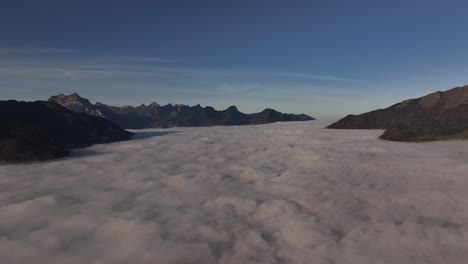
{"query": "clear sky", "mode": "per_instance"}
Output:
(324, 58)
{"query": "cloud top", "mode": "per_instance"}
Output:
(278, 193)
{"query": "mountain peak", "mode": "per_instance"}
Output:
(71, 97)
(232, 108)
(267, 110)
(75, 103)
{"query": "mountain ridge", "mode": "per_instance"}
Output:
(172, 115)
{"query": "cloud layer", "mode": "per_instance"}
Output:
(278, 193)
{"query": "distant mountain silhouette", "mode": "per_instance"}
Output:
(156, 116)
(41, 130)
(439, 115)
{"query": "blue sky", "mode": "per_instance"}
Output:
(324, 58)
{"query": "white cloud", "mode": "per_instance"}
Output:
(34, 50)
(297, 75)
(141, 59)
(278, 193)
(24, 63)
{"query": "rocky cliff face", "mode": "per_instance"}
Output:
(40, 130)
(76, 103)
(156, 116)
(439, 115)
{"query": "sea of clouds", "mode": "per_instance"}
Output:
(277, 193)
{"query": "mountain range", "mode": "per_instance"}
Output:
(179, 115)
(439, 115)
(41, 130)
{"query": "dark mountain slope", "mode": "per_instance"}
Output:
(41, 130)
(440, 115)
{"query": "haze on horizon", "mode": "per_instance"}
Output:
(323, 58)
